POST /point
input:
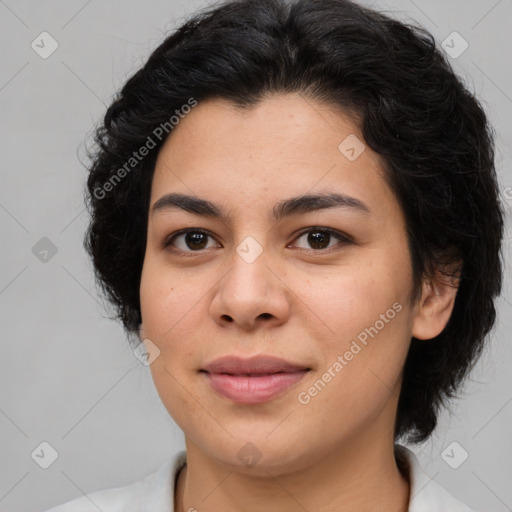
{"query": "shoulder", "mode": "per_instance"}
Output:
(155, 493)
(426, 494)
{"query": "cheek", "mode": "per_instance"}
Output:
(170, 302)
(170, 306)
(361, 364)
(353, 297)
(365, 308)
(177, 396)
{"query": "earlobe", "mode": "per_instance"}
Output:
(435, 306)
(142, 334)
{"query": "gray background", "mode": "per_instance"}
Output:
(68, 375)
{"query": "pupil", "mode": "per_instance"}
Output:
(317, 238)
(194, 239)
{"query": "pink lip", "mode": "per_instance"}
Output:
(254, 380)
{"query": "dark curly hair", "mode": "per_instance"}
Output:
(411, 108)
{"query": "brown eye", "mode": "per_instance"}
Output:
(320, 238)
(190, 240)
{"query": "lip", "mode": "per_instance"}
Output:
(255, 364)
(252, 380)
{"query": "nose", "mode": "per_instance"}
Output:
(252, 294)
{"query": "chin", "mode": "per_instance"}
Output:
(257, 453)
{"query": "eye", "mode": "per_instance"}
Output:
(194, 239)
(319, 238)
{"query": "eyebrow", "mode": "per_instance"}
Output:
(297, 205)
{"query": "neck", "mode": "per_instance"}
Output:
(362, 477)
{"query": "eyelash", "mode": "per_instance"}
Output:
(344, 239)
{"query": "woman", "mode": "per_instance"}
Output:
(295, 207)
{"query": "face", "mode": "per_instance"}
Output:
(324, 286)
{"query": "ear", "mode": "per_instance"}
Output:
(435, 307)
(142, 335)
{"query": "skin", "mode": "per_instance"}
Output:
(296, 301)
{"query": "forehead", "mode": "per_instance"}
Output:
(286, 145)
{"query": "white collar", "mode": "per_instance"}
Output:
(426, 495)
(155, 492)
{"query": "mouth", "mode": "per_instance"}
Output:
(252, 380)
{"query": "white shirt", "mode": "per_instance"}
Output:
(155, 492)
